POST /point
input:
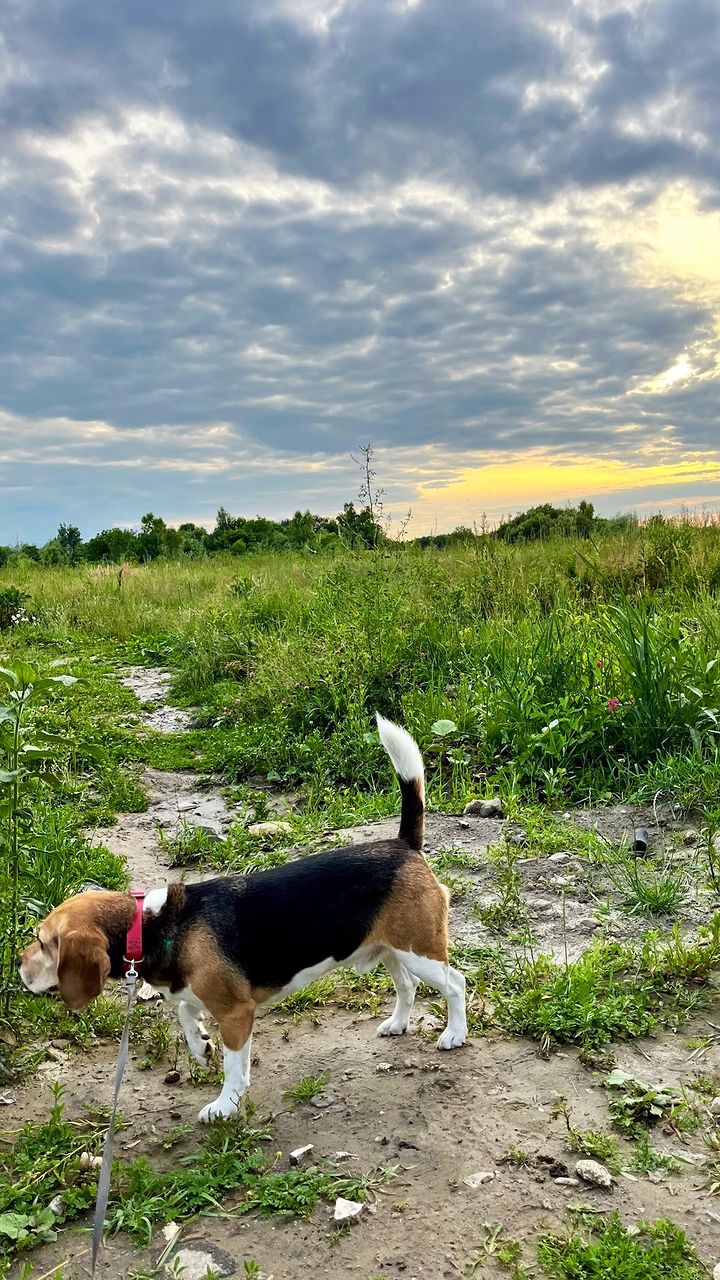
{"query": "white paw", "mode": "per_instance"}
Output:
(451, 1039)
(391, 1028)
(220, 1109)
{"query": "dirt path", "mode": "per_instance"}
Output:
(436, 1119)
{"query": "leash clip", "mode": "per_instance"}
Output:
(131, 973)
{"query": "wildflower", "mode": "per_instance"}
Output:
(613, 704)
(599, 664)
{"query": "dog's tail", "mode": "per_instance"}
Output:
(407, 762)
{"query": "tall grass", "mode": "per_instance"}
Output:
(569, 669)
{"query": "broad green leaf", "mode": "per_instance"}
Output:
(7, 775)
(443, 727)
(64, 680)
(14, 1225)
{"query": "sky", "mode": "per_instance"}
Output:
(240, 238)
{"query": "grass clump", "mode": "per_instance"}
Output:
(43, 1162)
(607, 1251)
(307, 1088)
(611, 992)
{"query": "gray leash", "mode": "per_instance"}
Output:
(131, 978)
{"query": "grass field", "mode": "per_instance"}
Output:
(551, 676)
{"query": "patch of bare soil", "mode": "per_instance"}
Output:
(566, 898)
(151, 686)
(177, 799)
(437, 1119)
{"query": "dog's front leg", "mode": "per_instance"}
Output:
(196, 1037)
(236, 1032)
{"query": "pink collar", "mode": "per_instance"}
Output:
(134, 940)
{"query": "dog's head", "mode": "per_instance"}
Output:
(71, 952)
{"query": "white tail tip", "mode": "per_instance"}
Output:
(402, 749)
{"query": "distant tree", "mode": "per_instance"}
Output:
(5, 554)
(112, 546)
(546, 520)
(153, 539)
(69, 539)
(357, 528)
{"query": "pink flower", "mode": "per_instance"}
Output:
(613, 704)
(599, 664)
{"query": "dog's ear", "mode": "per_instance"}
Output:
(83, 966)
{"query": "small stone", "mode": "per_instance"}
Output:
(89, 1161)
(347, 1210)
(594, 1172)
(60, 1043)
(716, 1271)
(298, 1155)
(475, 1180)
(55, 1055)
(196, 1263)
(566, 1182)
(269, 828)
(210, 834)
(690, 837)
(561, 882)
(518, 838)
(56, 1205)
(715, 1107)
(558, 857)
(172, 1077)
(384, 1066)
(344, 1155)
(321, 1102)
(484, 808)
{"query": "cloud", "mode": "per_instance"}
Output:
(238, 240)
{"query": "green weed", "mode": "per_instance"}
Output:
(307, 1088)
(658, 1251)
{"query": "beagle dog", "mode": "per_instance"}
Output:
(233, 944)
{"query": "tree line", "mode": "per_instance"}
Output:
(354, 527)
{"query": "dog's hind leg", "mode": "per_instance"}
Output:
(451, 984)
(405, 988)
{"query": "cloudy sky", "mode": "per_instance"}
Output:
(240, 237)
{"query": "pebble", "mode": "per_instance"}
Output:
(518, 838)
(298, 1155)
(716, 1272)
(715, 1107)
(210, 834)
(172, 1077)
(594, 1172)
(558, 857)
(690, 837)
(475, 1180)
(485, 808)
(321, 1102)
(346, 1210)
(197, 1263)
(89, 1161)
(566, 1182)
(269, 828)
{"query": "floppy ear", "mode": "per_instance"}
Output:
(83, 966)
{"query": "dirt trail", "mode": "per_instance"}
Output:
(176, 798)
(435, 1118)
